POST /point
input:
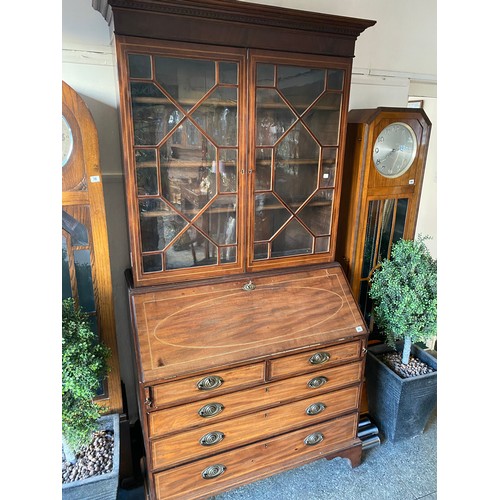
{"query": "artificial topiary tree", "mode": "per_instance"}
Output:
(404, 291)
(84, 366)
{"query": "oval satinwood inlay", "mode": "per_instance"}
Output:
(275, 312)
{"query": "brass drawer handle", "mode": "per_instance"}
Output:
(212, 438)
(319, 358)
(317, 382)
(209, 383)
(315, 408)
(210, 410)
(213, 471)
(313, 439)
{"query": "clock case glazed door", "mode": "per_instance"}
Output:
(285, 194)
(377, 210)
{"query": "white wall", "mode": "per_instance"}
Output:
(394, 59)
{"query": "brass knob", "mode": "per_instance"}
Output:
(319, 358)
(210, 410)
(315, 408)
(209, 383)
(212, 438)
(317, 382)
(313, 439)
(213, 471)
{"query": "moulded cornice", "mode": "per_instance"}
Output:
(243, 12)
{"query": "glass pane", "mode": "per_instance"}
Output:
(322, 244)
(84, 285)
(328, 167)
(218, 116)
(263, 169)
(296, 165)
(293, 240)
(76, 230)
(370, 237)
(274, 117)
(219, 220)
(191, 249)
(185, 80)
(317, 214)
(66, 279)
(365, 302)
(385, 229)
(152, 263)
(335, 79)
(324, 117)
(159, 224)
(188, 180)
(301, 86)
(270, 215)
(227, 255)
(228, 170)
(154, 115)
(228, 73)
(139, 66)
(399, 225)
(265, 75)
(146, 172)
(260, 251)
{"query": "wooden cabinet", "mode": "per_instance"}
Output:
(227, 370)
(249, 345)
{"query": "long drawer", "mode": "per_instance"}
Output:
(255, 461)
(206, 386)
(226, 406)
(198, 443)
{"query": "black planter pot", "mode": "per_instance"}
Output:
(400, 407)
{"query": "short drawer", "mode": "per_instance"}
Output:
(202, 442)
(255, 461)
(319, 358)
(206, 386)
(223, 407)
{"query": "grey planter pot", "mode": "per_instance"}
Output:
(105, 486)
(400, 407)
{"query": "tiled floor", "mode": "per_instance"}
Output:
(406, 470)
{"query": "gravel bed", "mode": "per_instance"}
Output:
(93, 460)
(414, 367)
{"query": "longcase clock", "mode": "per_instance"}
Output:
(86, 273)
(386, 151)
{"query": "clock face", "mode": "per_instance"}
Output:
(67, 141)
(395, 149)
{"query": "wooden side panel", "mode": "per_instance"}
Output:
(187, 416)
(250, 428)
(257, 461)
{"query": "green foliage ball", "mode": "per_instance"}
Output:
(84, 366)
(404, 292)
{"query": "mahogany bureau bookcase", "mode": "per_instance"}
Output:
(249, 345)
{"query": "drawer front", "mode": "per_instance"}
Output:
(255, 461)
(205, 441)
(227, 406)
(319, 358)
(206, 386)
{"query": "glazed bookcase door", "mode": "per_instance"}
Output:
(184, 156)
(297, 107)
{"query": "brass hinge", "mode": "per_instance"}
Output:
(148, 401)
